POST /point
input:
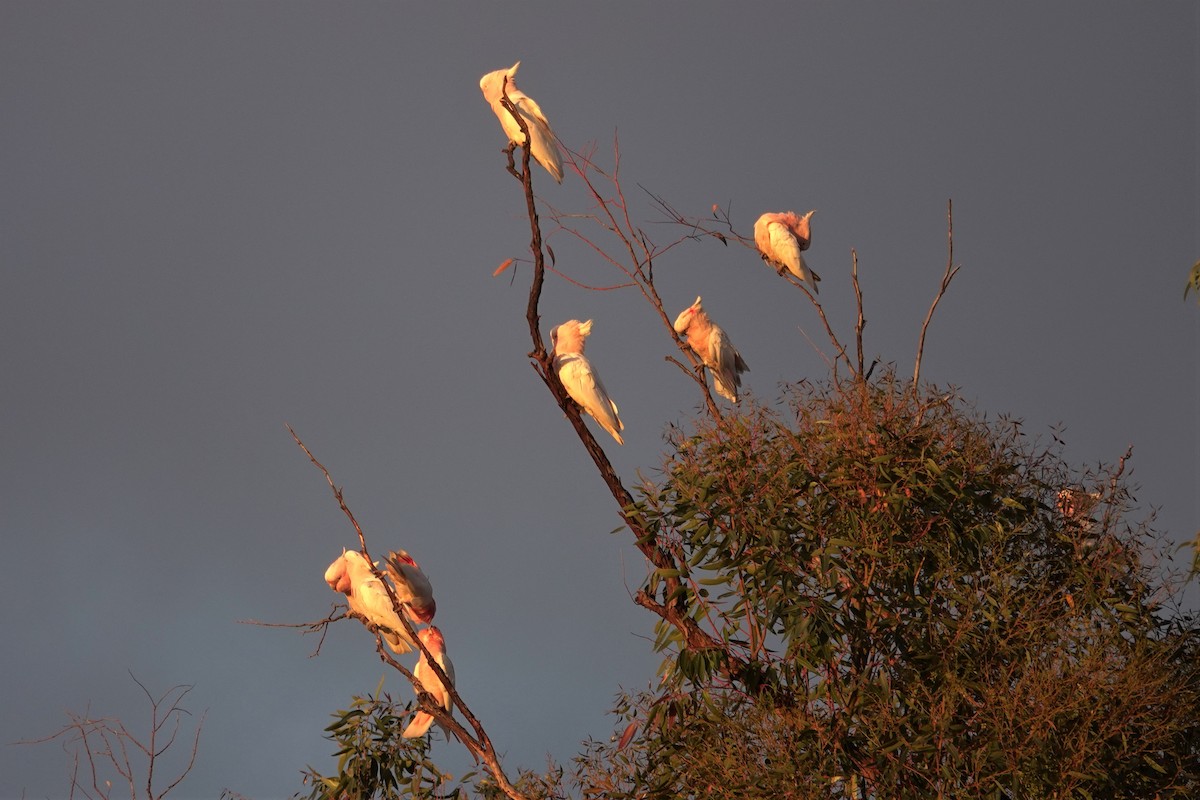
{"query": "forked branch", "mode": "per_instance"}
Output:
(107, 744)
(674, 612)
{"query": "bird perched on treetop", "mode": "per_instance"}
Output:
(542, 144)
(431, 637)
(780, 238)
(580, 380)
(714, 348)
(351, 575)
(412, 587)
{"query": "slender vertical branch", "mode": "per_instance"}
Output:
(947, 276)
(862, 321)
(535, 232)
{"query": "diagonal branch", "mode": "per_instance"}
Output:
(673, 611)
(480, 744)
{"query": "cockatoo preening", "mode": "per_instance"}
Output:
(351, 575)
(412, 587)
(542, 144)
(714, 348)
(581, 381)
(780, 238)
(433, 641)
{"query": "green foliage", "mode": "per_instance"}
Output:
(530, 785)
(910, 599)
(374, 760)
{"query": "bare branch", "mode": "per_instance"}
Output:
(106, 744)
(947, 276)
(337, 492)
(862, 321)
(641, 254)
(321, 625)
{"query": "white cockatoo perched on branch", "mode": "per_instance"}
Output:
(780, 238)
(412, 587)
(542, 144)
(366, 595)
(581, 381)
(431, 637)
(714, 348)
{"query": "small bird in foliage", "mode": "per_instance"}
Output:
(714, 348)
(412, 587)
(580, 380)
(432, 638)
(542, 144)
(366, 595)
(780, 238)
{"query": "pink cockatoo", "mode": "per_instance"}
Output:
(431, 637)
(581, 381)
(542, 144)
(366, 595)
(780, 238)
(412, 587)
(714, 348)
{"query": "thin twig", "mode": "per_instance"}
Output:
(641, 252)
(337, 493)
(947, 276)
(321, 625)
(675, 611)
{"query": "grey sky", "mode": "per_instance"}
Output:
(218, 217)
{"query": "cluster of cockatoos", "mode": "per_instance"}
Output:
(781, 239)
(367, 596)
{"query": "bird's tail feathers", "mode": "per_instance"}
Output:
(419, 725)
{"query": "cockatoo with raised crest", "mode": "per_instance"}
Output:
(412, 587)
(351, 575)
(714, 348)
(780, 238)
(581, 381)
(431, 637)
(542, 144)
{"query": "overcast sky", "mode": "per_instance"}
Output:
(219, 217)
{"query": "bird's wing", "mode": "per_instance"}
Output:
(377, 607)
(585, 387)
(785, 248)
(544, 146)
(726, 360)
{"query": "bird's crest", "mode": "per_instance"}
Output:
(685, 317)
(432, 638)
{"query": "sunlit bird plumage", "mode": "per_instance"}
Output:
(412, 587)
(542, 144)
(580, 379)
(781, 237)
(366, 595)
(714, 348)
(431, 637)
